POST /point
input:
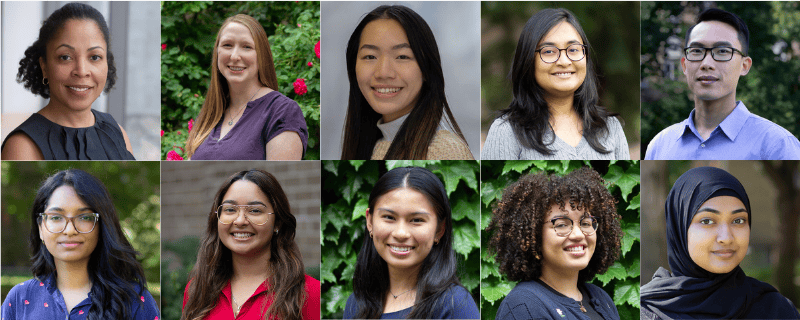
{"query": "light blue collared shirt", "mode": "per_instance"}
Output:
(741, 136)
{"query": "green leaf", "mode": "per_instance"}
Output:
(615, 271)
(330, 262)
(489, 270)
(330, 166)
(391, 164)
(464, 208)
(360, 209)
(634, 204)
(634, 270)
(627, 292)
(499, 291)
(454, 173)
(625, 180)
(357, 163)
(490, 191)
(630, 235)
(351, 187)
(517, 165)
(336, 298)
(465, 238)
(486, 218)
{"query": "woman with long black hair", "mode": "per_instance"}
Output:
(83, 266)
(554, 113)
(407, 267)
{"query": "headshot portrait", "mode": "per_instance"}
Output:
(403, 243)
(74, 90)
(556, 81)
(397, 59)
(243, 242)
(719, 240)
(719, 81)
(560, 241)
(81, 240)
(240, 80)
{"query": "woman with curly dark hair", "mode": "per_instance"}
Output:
(553, 234)
(71, 64)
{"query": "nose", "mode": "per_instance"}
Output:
(69, 229)
(708, 62)
(235, 53)
(241, 218)
(384, 69)
(81, 68)
(562, 57)
(401, 232)
(724, 234)
(576, 233)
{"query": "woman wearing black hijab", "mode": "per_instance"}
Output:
(708, 232)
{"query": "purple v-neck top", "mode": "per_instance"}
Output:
(262, 119)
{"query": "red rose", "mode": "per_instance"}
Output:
(310, 64)
(191, 123)
(316, 49)
(162, 133)
(163, 46)
(300, 86)
(173, 156)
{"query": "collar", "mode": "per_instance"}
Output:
(229, 295)
(732, 125)
(389, 130)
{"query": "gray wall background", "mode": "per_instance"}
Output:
(456, 26)
(135, 41)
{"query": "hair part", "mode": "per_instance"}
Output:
(417, 131)
(519, 217)
(438, 271)
(112, 267)
(214, 267)
(218, 94)
(729, 18)
(529, 113)
(30, 73)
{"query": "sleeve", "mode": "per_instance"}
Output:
(350, 309)
(652, 147)
(464, 306)
(501, 143)
(621, 151)
(147, 309)
(448, 146)
(784, 147)
(186, 294)
(311, 309)
(10, 303)
(286, 116)
(521, 307)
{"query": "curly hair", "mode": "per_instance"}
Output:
(519, 218)
(30, 72)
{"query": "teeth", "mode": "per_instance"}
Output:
(242, 235)
(236, 68)
(387, 90)
(563, 73)
(78, 89)
(575, 249)
(400, 249)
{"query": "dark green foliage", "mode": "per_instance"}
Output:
(621, 281)
(346, 186)
(189, 29)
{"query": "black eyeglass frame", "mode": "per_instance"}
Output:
(583, 46)
(43, 218)
(706, 50)
(595, 223)
(239, 206)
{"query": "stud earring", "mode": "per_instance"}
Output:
(370, 234)
(276, 231)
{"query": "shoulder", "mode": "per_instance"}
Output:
(23, 288)
(277, 101)
(525, 301)
(461, 305)
(311, 307)
(501, 125)
(598, 293)
(501, 142)
(20, 146)
(350, 307)
(448, 146)
(144, 307)
(662, 139)
(780, 143)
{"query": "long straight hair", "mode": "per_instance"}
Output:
(112, 267)
(438, 270)
(528, 113)
(418, 130)
(214, 267)
(218, 95)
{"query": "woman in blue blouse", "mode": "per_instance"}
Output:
(83, 266)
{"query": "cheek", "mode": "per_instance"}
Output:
(697, 241)
(362, 75)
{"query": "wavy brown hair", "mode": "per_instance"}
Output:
(218, 95)
(214, 267)
(519, 218)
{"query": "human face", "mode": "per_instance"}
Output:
(570, 253)
(563, 77)
(387, 70)
(404, 226)
(719, 234)
(76, 65)
(69, 246)
(237, 58)
(241, 236)
(712, 80)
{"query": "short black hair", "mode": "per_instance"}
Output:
(714, 14)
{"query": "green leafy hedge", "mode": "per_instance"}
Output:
(188, 32)
(346, 186)
(621, 281)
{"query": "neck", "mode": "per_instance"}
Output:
(709, 114)
(73, 276)
(242, 93)
(252, 267)
(561, 106)
(563, 281)
(402, 280)
(67, 117)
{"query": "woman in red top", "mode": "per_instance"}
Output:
(248, 265)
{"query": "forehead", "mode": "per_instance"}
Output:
(383, 31)
(710, 32)
(65, 196)
(561, 34)
(556, 210)
(235, 31)
(245, 191)
(404, 200)
(77, 32)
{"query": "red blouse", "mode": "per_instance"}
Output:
(251, 309)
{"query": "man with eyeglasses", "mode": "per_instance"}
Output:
(720, 127)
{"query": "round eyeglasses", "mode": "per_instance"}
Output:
(551, 54)
(256, 213)
(563, 226)
(57, 223)
(720, 54)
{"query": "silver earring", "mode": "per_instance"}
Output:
(45, 81)
(276, 231)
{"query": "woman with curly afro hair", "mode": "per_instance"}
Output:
(71, 64)
(553, 234)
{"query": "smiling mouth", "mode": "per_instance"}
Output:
(724, 253)
(236, 69)
(79, 89)
(400, 249)
(70, 244)
(242, 235)
(575, 249)
(387, 90)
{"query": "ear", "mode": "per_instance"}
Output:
(747, 62)
(43, 66)
(369, 221)
(683, 65)
(439, 232)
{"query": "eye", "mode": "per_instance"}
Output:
(418, 220)
(740, 221)
(55, 217)
(404, 57)
(64, 57)
(96, 57)
(724, 50)
(706, 221)
(226, 45)
(257, 210)
(696, 51)
(387, 217)
(368, 57)
(548, 51)
(85, 217)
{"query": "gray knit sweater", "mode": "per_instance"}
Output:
(502, 144)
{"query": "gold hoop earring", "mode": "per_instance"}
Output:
(45, 81)
(370, 234)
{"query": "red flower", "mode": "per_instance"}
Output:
(179, 132)
(172, 156)
(163, 46)
(316, 49)
(191, 124)
(299, 25)
(196, 95)
(162, 133)
(300, 86)
(310, 64)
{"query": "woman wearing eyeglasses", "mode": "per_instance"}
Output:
(554, 113)
(83, 266)
(248, 265)
(553, 234)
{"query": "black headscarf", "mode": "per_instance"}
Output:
(691, 292)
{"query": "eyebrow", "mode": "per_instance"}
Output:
(72, 48)
(571, 42)
(395, 47)
(395, 213)
(59, 209)
(249, 203)
(715, 211)
(715, 44)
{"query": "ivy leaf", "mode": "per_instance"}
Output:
(490, 191)
(360, 209)
(631, 235)
(634, 204)
(486, 218)
(518, 166)
(337, 220)
(452, 174)
(330, 166)
(465, 208)
(615, 271)
(465, 238)
(357, 163)
(634, 270)
(489, 270)
(351, 187)
(624, 180)
(627, 292)
(330, 262)
(350, 268)
(496, 292)
(540, 164)
(391, 164)
(336, 298)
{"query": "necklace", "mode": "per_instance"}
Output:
(404, 292)
(239, 307)
(582, 308)
(230, 122)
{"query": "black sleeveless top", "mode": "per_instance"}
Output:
(102, 141)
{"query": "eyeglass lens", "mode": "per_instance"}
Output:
(563, 226)
(57, 223)
(717, 53)
(550, 54)
(256, 214)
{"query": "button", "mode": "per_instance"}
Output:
(703, 145)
